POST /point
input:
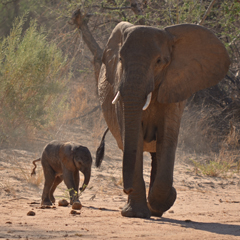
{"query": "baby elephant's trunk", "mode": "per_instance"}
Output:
(100, 150)
(87, 176)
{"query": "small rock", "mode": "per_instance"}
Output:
(77, 206)
(63, 203)
(45, 206)
(34, 202)
(171, 211)
(31, 213)
(9, 222)
(75, 212)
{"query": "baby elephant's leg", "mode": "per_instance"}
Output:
(69, 180)
(56, 182)
(76, 184)
(49, 175)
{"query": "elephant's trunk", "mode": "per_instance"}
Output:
(87, 176)
(132, 126)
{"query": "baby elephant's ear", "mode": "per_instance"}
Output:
(199, 60)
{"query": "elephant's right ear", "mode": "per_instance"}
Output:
(110, 56)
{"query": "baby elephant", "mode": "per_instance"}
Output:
(63, 161)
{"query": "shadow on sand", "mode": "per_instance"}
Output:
(219, 228)
(102, 209)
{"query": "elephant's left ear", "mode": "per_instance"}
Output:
(199, 60)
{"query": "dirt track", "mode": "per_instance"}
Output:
(206, 208)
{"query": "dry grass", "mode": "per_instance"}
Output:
(78, 102)
(203, 133)
(8, 188)
(23, 170)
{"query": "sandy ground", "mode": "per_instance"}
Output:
(206, 208)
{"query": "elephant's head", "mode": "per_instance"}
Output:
(83, 161)
(146, 65)
(77, 158)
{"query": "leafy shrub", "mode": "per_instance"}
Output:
(33, 74)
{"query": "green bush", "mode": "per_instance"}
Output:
(33, 75)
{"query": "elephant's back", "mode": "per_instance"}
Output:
(51, 153)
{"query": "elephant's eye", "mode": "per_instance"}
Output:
(120, 59)
(158, 60)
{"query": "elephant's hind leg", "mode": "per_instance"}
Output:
(56, 182)
(49, 175)
(153, 171)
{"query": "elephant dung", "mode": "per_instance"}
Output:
(77, 206)
(63, 203)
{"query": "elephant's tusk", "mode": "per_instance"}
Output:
(114, 101)
(149, 97)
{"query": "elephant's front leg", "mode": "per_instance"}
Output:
(137, 204)
(162, 194)
(76, 184)
(70, 179)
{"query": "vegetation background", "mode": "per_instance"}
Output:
(50, 56)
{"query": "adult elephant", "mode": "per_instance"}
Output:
(145, 78)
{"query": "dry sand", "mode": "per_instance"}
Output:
(206, 208)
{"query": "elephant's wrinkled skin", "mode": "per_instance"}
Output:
(172, 64)
(63, 161)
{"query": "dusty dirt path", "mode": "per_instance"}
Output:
(206, 208)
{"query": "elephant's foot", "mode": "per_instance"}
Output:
(136, 210)
(158, 208)
(52, 198)
(46, 203)
(75, 200)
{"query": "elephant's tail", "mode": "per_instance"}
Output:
(35, 166)
(100, 150)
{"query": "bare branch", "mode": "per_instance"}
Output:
(207, 12)
(81, 22)
(7, 2)
(170, 14)
(84, 115)
(135, 6)
(233, 41)
(115, 4)
(116, 8)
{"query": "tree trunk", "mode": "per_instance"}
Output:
(81, 22)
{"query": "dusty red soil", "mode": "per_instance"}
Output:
(206, 208)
